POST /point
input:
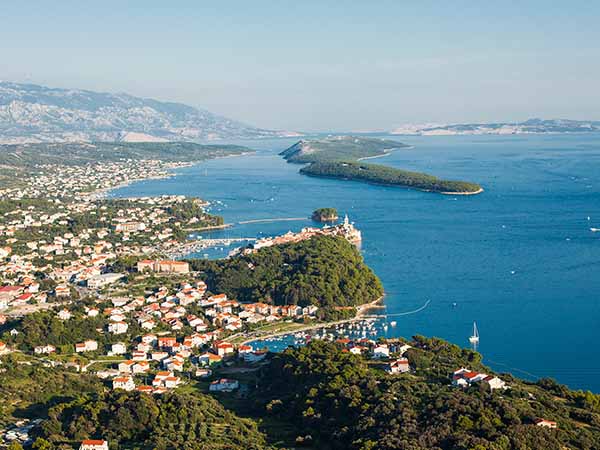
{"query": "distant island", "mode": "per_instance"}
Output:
(345, 148)
(530, 126)
(340, 157)
(325, 214)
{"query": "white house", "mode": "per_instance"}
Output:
(495, 383)
(47, 349)
(118, 348)
(381, 351)
(118, 327)
(64, 314)
(398, 366)
(94, 444)
(87, 346)
(125, 383)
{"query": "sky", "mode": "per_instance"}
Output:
(319, 65)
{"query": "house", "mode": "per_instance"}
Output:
(495, 383)
(141, 367)
(172, 382)
(465, 377)
(126, 366)
(118, 348)
(125, 383)
(2, 347)
(208, 359)
(381, 351)
(139, 355)
(87, 346)
(145, 389)
(62, 290)
(94, 444)
(107, 373)
(203, 373)
(224, 385)
(64, 314)
(163, 266)
(118, 327)
(244, 349)
(546, 423)
(159, 356)
(223, 348)
(44, 349)
(166, 341)
(398, 366)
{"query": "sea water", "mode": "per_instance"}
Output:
(519, 259)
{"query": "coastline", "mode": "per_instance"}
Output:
(386, 152)
(103, 192)
(478, 191)
(361, 311)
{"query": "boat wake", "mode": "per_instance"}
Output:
(407, 313)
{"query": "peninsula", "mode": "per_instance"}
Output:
(340, 156)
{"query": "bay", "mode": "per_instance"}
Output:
(519, 259)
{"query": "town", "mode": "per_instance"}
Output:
(100, 271)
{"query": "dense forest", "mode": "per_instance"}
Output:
(375, 173)
(337, 400)
(325, 271)
(137, 421)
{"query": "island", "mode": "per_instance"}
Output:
(341, 157)
(324, 215)
(378, 174)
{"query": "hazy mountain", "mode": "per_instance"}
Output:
(528, 126)
(31, 113)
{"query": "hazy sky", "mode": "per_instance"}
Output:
(319, 65)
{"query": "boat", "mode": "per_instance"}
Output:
(474, 339)
(594, 230)
(393, 323)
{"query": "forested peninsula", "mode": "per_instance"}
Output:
(340, 157)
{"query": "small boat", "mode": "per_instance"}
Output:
(594, 230)
(474, 339)
(393, 323)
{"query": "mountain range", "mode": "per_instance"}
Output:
(32, 113)
(530, 126)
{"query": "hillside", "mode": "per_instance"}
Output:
(32, 113)
(332, 399)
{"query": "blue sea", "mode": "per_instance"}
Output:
(519, 259)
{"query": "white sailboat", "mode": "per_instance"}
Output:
(474, 339)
